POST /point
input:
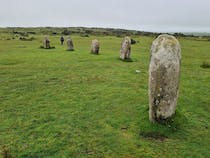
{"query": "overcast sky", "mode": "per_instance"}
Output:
(148, 15)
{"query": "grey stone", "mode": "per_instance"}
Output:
(46, 43)
(125, 50)
(69, 42)
(95, 46)
(164, 74)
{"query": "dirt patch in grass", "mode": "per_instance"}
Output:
(51, 79)
(5, 153)
(153, 136)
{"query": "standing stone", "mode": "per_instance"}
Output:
(164, 73)
(69, 42)
(95, 46)
(62, 40)
(46, 43)
(125, 50)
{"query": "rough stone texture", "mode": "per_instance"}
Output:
(125, 50)
(69, 42)
(95, 46)
(164, 73)
(46, 43)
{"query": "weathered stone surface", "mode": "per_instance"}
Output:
(46, 43)
(69, 42)
(125, 50)
(95, 46)
(164, 73)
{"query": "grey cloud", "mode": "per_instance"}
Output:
(152, 15)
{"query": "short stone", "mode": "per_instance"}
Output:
(95, 46)
(46, 43)
(125, 50)
(70, 45)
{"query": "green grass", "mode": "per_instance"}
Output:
(55, 103)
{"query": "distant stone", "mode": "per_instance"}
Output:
(125, 50)
(69, 42)
(62, 40)
(46, 43)
(95, 46)
(133, 41)
(164, 74)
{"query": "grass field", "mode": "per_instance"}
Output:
(55, 103)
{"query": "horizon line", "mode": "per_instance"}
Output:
(191, 30)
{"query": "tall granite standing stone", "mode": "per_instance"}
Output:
(95, 46)
(69, 42)
(125, 50)
(164, 73)
(46, 43)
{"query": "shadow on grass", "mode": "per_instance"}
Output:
(95, 53)
(71, 50)
(127, 60)
(41, 47)
(205, 65)
(165, 129)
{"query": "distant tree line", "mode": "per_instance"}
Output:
(83, 31)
